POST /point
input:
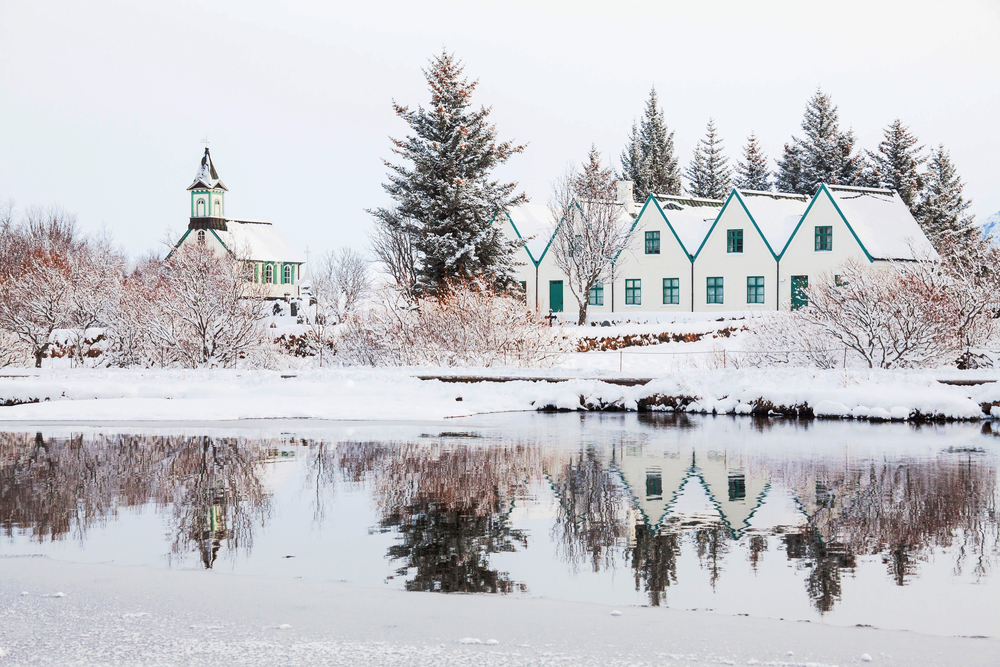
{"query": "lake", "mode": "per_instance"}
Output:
(849, 523)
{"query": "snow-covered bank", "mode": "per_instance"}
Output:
(397, 394)
(112, 614)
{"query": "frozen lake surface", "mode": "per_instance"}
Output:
(844, 523)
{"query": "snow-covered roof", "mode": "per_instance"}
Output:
(207, 177)
(882, 222)
(776, 214)
(258, 241)
(536, 225)
(690, 217)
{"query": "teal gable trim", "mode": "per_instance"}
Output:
(823, 190)
(179, 242)
(651, 198)
(534, 261)
(735, 194)
(221, 243)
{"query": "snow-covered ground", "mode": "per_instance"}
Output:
(95, 614)
(398, 394)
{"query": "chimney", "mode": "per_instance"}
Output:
(626, 196)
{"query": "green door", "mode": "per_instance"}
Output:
(799, 300)
(556, 296)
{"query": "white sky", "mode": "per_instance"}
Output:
(103, 103)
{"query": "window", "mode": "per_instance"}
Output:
(824, 238)
(287, 274)
(652, 243)
(714, 291)
(596, 295)
(217, 209)
(671, 291)
(839, 281)
(734, 240)
(654, 484)
(576, 245)
(201, 237)
(755, 289)
(199, 208)
(633, 292)
(269, 274)
(737, 486)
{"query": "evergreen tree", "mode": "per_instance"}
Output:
(824, 155)
(941, 207)
(446, 202)
(752, 173)
(648, 160)
(895, 164)
(709, 172)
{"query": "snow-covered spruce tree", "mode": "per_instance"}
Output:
(648, 160)
(709, 173)
(445, 199)
(752, 173)
(896, 163)
(824, 155)
(941, 209)
(592, 228)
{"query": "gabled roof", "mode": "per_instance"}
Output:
(257, 241)
(207, 177)
(689, 218)
(879, 220)
(533, 223)
(776, 215)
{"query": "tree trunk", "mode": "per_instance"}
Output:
(38, 357)
(583, 312)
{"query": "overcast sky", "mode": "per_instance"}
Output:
(103, 104)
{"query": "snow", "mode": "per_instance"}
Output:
(85, 395)
(883, 223)
(536, 225)
(260, 241)
(776, 215)
(690, 223)
(211, 618)
(991, 228)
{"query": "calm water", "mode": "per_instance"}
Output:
(838, 522)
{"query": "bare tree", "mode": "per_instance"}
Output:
(592, 228)
(395, 250)
(206, 310)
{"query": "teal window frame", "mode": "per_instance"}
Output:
(595, 297)
(755, 289)
(734, 240)
(671, 291)
(714, 290)
(824, 238)
(633, 292)
(653, 243)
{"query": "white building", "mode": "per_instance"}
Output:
(753, 251)
(275, 262)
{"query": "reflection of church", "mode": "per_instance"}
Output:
(274, 262)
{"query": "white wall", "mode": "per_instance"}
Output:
(734, 268)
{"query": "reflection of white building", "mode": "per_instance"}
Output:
(655, 476)
(258, 243)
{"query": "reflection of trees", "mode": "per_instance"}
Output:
(711, 544)
(450, 507)
(654, 561)
(591, 519)
(52, 487)
(824, 561)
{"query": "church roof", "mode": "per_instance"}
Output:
(207, 177)
(257, 241)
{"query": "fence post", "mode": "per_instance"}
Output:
(845, 357)
(621, 359)
(723, 358)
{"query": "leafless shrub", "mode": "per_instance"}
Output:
(786, 339)
(395, 251)
(469, 324)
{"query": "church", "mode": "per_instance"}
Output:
(276, 264)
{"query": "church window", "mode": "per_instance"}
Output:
(217, 208)
(201, 237)
(287, 278)
(200, 208)
(268, 274)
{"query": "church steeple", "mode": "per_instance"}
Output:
(208, 197)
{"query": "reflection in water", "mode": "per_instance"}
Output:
(51, 488)
(637, 501)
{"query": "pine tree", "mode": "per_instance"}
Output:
(709, 173)
(648, 160)
(446, 202)
(752, 173)
(824, 155)
(941, 207)
(895, 165)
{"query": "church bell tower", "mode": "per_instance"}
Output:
(208, 197)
